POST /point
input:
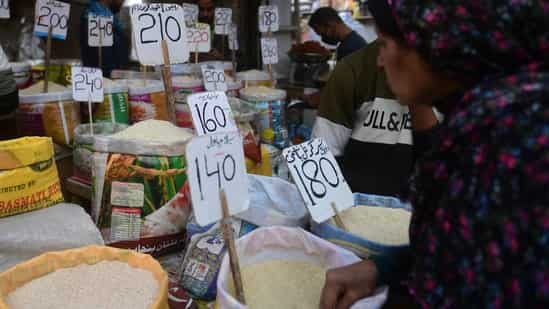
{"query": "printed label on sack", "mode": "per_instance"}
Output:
(127, 194)
(197, 269)
(125, 223)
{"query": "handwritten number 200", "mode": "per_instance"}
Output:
(316, 188)
(164, 28)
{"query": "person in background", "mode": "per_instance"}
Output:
(9, 98)
(113, 57)
(479, 234)
(220, 47)
(330, 27)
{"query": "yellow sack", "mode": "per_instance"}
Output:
(46, 263)
(28, 175)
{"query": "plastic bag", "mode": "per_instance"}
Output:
(274, 201)
(51, 261)
(282, 243)
(60, 227)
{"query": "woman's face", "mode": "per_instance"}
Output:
(410, 78)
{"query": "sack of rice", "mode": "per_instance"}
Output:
(378, 228)
(139, 191)
(89, 277)
(28, 175)
(205, 251)
(147, 100)
(285, 267)
(53, 114)
(115, 107)
(82, 154)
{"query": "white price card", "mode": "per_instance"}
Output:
(318, 178)
(5, 9)
(100, 30)
(269, 50)
(215, 162)
(153, 23)
(214, 78)
(211, 113)
(233, 37)
(87, 84)
(191, 14)
(199, 38)
(54, 13)
(223, 16)
(268, 18)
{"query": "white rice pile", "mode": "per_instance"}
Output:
(38, 88)
(105, 285)
(154, 130)
(282, 284)
(383, 225)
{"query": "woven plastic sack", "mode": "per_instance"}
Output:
(46, 263)
(283, 243)
(359, 245)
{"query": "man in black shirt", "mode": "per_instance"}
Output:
(326, 22)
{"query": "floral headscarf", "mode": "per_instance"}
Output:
(480, 227)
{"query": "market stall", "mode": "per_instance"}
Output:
(193, 184)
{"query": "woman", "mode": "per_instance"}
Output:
(480, 227)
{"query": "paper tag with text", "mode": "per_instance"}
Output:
(269, 50)
(100, 30)
(233, 37)
(191, 14)
(153, 23)
(4, 9)
(215, 162)
(318, 178)
(54, 13)
(211, 113)
(87, 84)
(223, 16)
(199, 38)
(268, 18)
(214, 78)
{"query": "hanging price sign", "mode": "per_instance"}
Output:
(87, 84)
(318, 178)
(214, 78)
(153, 23)
(191, 14)
(216, 162)
(5, 9)
(268, 18)
(51, 13)
(223, 17)
(199, 38)
(269, 50)
(211, 113)
(233, 37)
(100, 26)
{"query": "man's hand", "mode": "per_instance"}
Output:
(346, 285)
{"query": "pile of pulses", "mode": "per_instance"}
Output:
(282, 284)
(388, 226)
(108, 284)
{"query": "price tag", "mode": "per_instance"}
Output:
(54, 13)
(214, 78)
(211, 113)
(5, 9)
(191, 14)
(100, 26)
(87, 83)
(223, 16)
(268, 18)
(153, 23)
(199, 38)
(269, 50)
(233, 37)
(216, 161)
(318, 178)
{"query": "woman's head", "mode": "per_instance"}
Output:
(429, 47)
